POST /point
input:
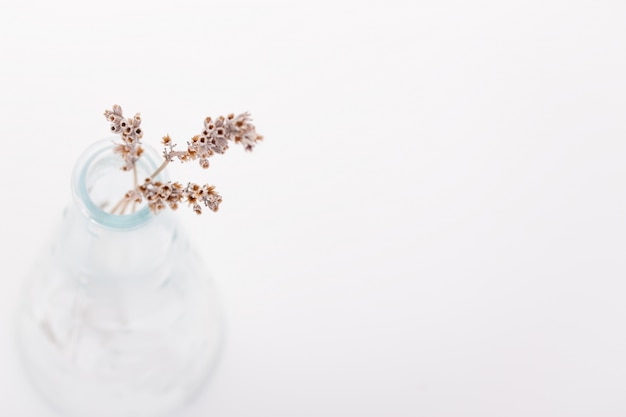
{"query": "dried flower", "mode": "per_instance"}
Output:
(159, 195)
(130, 131)
(213, 139)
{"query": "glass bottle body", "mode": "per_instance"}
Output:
(119, 317)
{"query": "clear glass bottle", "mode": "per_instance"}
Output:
(119, 317)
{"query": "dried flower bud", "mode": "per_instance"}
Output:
(131, 134)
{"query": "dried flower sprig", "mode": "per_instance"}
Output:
(129, 130)
(213, 139)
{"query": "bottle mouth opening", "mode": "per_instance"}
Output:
(99, 184)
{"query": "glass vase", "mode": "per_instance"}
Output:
(119, 317)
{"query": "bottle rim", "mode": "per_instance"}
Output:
(96, 152)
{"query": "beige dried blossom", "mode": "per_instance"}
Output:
(205, 194)
(213, 139)
(159, 195)
(130, 131)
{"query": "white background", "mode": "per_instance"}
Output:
(435, 224)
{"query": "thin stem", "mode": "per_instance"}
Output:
(125, 205)
(117, 206)
(161, 168)
(135, 176)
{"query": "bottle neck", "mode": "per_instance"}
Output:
(99, 183)
(105, 250)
